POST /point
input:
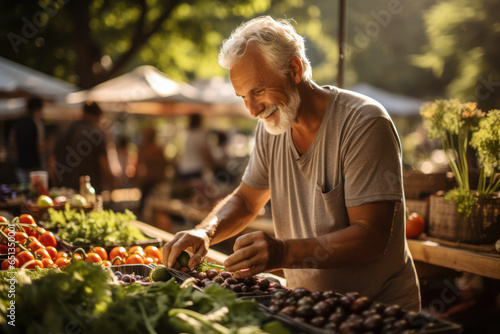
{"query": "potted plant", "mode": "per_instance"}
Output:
(458, 126)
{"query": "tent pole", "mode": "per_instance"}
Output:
(342, 41)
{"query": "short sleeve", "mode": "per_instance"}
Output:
(257, 172)
(372, 163)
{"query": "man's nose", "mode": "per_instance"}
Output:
(254, 106)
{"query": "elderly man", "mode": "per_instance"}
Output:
(330, 162)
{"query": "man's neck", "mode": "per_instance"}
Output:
(314, 101)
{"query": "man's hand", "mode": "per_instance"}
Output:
(254, 253)
(197, 241)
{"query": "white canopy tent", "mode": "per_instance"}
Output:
(17, 82)
(396, 104)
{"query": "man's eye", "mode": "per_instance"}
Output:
(259, 92)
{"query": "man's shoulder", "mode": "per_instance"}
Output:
(356, 107)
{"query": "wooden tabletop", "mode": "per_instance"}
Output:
(476, 262)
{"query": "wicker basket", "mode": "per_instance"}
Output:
(482, 227)
(443, 218)
(418, 185)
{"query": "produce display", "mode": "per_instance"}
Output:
(128, 289)
(82, 297)
(349, 313)
(96, 227)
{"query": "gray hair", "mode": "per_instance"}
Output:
(277, 39)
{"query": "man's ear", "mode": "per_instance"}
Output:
(295, 66)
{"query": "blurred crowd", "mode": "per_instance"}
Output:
(88, 146)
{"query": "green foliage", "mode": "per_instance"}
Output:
(486, 141)
(81, 297)
(463, 49)
(96, 227)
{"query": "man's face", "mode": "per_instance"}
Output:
(273, 99)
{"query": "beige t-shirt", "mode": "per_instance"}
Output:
(354, 159)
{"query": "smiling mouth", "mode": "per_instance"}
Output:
(272, 113)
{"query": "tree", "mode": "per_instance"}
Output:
(88, 42)
(463, 49)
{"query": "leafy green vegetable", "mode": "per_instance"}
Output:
(80, 297)
(205, 265)
(96, 227)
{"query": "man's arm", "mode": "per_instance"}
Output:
(227, 219)
(365, 239)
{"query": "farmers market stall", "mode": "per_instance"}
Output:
(104, 280)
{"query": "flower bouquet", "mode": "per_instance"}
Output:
(459, 125)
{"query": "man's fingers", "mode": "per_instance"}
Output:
(167, 248)
(196, 258)
(245, 273)
(243, 262)
(243, 241)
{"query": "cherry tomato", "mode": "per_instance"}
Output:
(62, 254)
(117, 251)
(24, 257)
(415, 225)
(105, 263)
(5, 264)
(35, 245)
(26, 219)
(117, 260)
(52, 252)
(148, 260)
(134, 249)
(3, 219)
(48, 239)
(93, 257)
(139, 252)
(36, 232)
(101, 252)
(153, 251)
(134, 259)
(61, 262)
(21, 237)
(35, 264)
(77, 256)
(42, 253)
(155, 260)
(48, 263)
(10, 261)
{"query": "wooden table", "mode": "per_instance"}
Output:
(435, 253)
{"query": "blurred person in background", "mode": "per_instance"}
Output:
(196, 156)
(28, 137)
(81, 150)
(151, 165)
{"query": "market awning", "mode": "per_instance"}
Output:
(145, 83)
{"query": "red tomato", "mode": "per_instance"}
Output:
(10, 262)
(48, 263)
(105, 263)
(117, 251)
(415, 225)
(36, 232)
(52, 252)
(93, 257)
(101, 252)
(134, 259)
(134, 249)
(3, 219)
(5, 264)
(62, 262)
(21, 237)
(42, 254)
(35, 245)
(48, 239)
(77, 256)
(26, 219)
(24, 257)
(62, 254)
(148, 260)
(35, 264)
(117, 260)
(153, 251)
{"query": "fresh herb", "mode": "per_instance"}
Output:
(96, 227)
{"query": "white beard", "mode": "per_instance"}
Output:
(286, 115)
